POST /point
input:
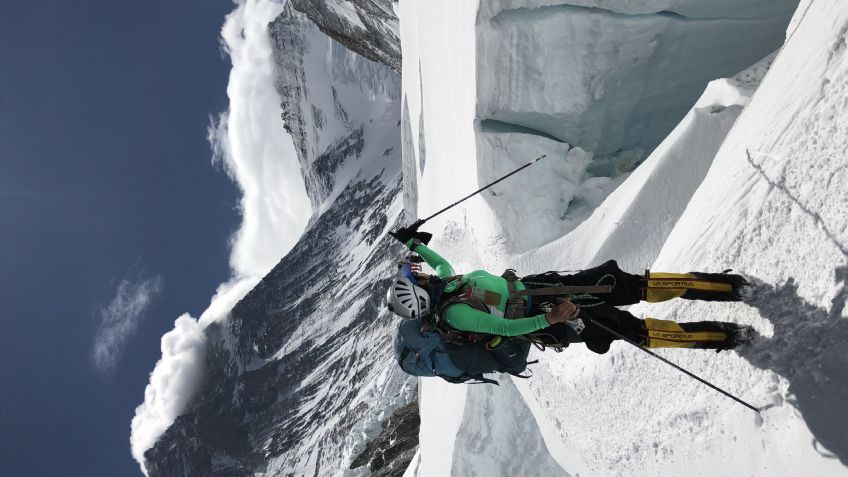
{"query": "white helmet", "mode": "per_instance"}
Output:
(407, 299)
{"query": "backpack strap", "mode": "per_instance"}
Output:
(515, 304)
(542, 341)
(529, 371)
(441, 301)
(565, 290)
(450, 335)
(436, 289)
(474, 378)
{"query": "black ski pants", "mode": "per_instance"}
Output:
(627, 289)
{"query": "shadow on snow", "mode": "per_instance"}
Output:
(808, 349)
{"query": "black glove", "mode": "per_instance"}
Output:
(405, 234)
(402, 235)
(423, 237)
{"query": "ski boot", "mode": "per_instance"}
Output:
(717, 335)
(738, 335)
(741, 288)
(661, 286)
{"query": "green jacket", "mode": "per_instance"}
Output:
(465, 318)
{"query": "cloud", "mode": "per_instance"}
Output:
(256, 152)
(119, 319)
(172, 384)
(259, 156)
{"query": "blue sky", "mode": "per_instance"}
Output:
(105, 178)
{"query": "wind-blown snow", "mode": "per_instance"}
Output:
(120, 318)
(172, 384)
(761, 190)
(261, 160)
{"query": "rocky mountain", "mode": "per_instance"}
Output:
(368, 27)
(298, 378)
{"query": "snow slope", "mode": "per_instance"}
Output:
(771, 204)
(776, 215)
(633, 223)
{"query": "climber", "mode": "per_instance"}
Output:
(479, 306)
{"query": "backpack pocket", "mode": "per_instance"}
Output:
(512, 355)
(473, 358)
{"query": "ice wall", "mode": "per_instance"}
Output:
(609, 82)
(632, 223)
(714, 9)
(611, 78)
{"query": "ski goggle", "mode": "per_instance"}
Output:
(406, 271)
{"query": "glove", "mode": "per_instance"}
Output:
(405, 234)
(402, 235)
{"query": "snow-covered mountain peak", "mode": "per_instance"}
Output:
(295, 380)
(368, 27)
(329, 93)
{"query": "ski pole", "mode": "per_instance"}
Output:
(619, 335)
(420, 222)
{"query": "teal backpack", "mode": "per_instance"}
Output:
(423, 352)
(428, 347)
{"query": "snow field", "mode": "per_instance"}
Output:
(439, 143)
(744, 218)
(790, 230)
(771, 205)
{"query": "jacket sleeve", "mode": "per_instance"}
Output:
(440, 265)
(465, 318)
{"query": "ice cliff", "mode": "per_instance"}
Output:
(607, 80)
